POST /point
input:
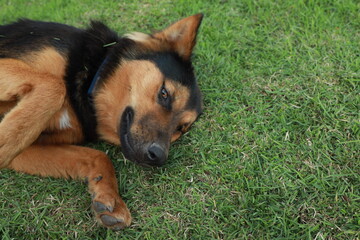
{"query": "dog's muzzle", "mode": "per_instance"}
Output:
(135, 148)
(156, 155)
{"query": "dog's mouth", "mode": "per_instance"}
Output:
(134, 149)
(126, 121)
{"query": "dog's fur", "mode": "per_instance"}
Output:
(61, 86)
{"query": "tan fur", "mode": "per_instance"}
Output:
(138, 36)
(110, 101)
(179, 37)
(186, 120)
(79, 163)
(33, 100)
(47, 60)
(53, 134)
(125, 82)
(21, 82)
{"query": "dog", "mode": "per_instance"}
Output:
(61, 86)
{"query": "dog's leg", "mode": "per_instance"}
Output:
(38, 96)
(84, 163)
(6, 106)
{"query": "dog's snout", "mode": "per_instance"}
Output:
(156, 154)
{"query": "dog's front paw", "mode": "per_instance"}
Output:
(111, 212)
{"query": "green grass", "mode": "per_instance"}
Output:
(276, 154)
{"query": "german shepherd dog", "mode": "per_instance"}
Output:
(61, 86)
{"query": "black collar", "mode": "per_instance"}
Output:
(97, 76)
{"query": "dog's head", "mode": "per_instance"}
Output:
(152, 96)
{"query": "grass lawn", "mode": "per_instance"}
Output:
(276, 154)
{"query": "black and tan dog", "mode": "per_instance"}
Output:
(61, 86)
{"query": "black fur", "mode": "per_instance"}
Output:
(18, 39)
(176, 68)
(84, 59)
(85, 51)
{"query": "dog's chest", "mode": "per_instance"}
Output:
(63, 128)
(64, 120)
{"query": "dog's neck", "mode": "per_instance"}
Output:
(86, 71)
(97, 77)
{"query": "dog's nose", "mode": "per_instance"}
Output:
(156, 155)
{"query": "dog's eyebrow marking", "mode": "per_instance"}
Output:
(64, 121)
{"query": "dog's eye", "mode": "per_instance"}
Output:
(164, 93)
(164, 98)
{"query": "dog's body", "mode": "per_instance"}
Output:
(61, 86)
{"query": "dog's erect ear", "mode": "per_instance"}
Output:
(182, 35)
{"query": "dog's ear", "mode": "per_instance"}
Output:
(182, 35)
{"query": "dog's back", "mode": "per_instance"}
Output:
(25, 36)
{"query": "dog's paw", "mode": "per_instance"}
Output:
(111, 212)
